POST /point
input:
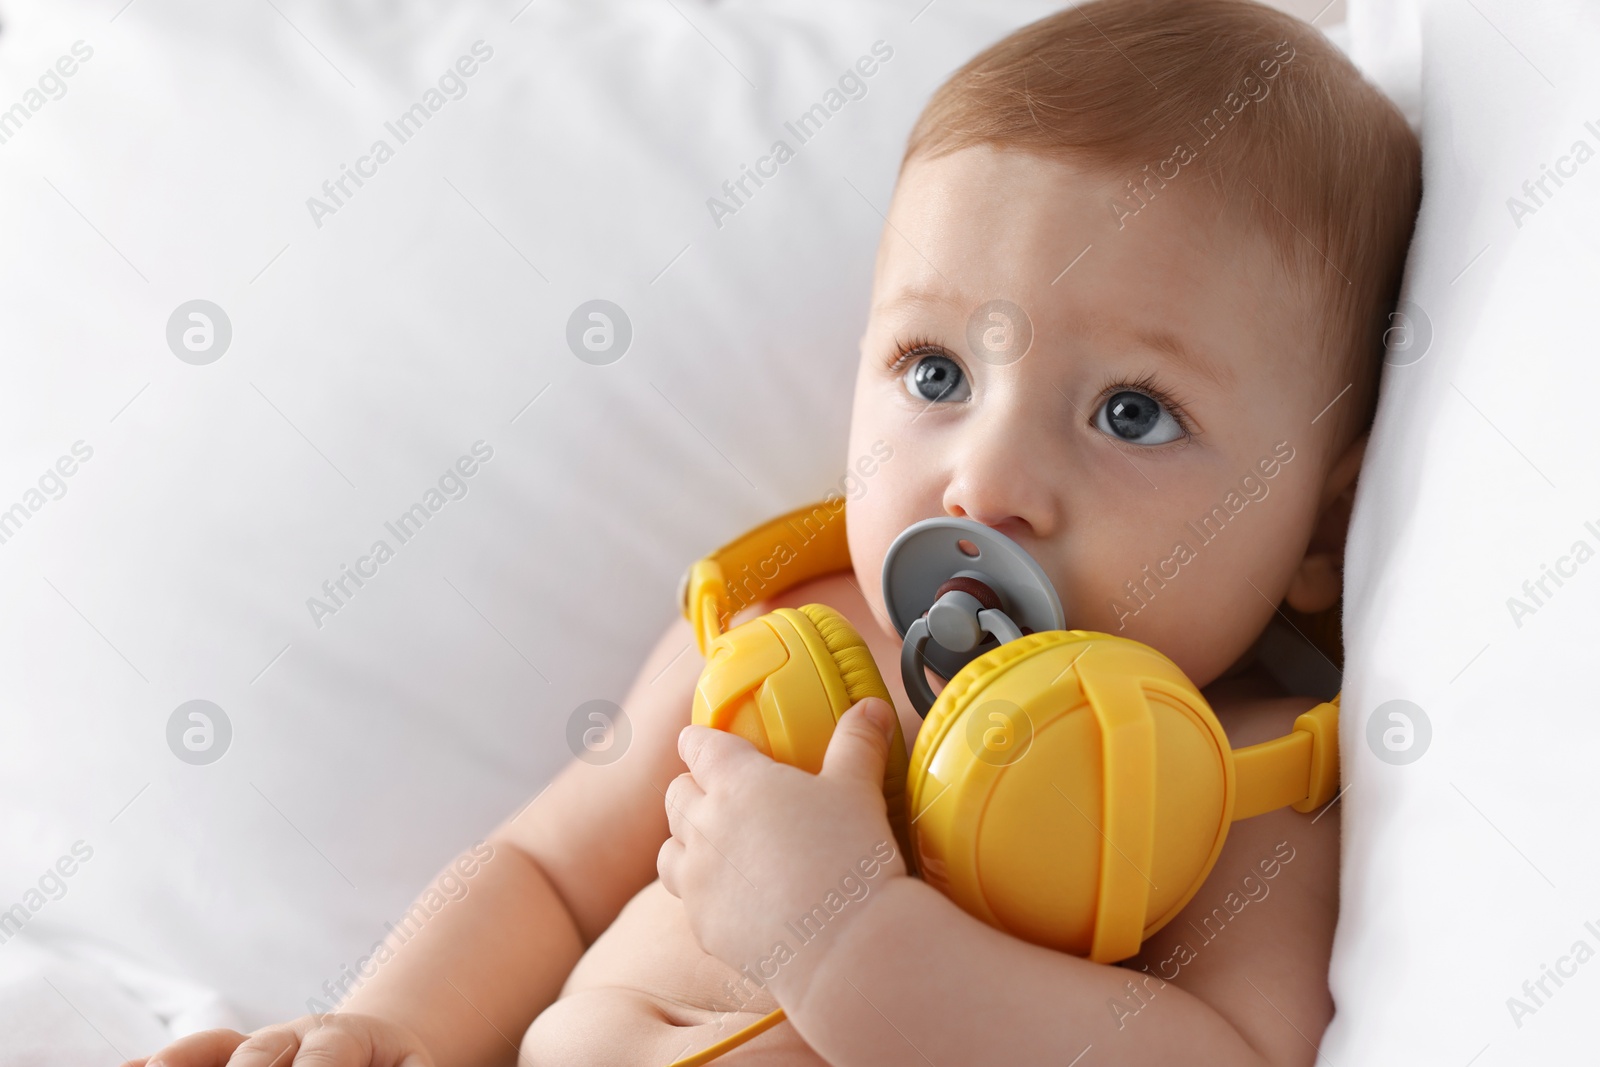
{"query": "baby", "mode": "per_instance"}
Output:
(1135, 274)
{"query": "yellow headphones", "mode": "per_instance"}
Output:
(1068, 787)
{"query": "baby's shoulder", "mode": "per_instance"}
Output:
(1254, 706)
(837, 589)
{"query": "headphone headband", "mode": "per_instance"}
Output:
(803, 544)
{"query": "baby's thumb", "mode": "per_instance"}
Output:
(859, 747)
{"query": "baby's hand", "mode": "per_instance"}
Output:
(757, 847)
(337, 1040)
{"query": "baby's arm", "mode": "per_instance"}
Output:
(891, 990)
(475, 976)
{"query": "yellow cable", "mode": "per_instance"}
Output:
(706, 1055)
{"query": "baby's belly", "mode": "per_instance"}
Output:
(645, 995)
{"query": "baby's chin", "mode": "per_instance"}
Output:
(1205, 655)
(871, 586)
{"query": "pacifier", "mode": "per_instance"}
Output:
(956, 589)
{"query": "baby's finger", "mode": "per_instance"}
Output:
(682, 794)
(208, 1048)
(859, 747)
(326, 1046)
(667, 861)
(273, 1047)
(710, 754)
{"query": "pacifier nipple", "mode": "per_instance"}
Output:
(953, 617)
(978, 590)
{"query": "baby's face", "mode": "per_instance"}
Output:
(1101, 449)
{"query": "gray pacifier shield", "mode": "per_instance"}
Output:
(928, 553)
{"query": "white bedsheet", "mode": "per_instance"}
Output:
(1470, 869)
(371, 349)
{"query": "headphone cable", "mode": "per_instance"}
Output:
(711, 1052)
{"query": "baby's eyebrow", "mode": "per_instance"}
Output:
(916, 297)
(1158, 339)
(1173, 346)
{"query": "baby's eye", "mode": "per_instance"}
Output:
(935, 378)
(1137, 418)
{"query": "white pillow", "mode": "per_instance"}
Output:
(1470, 869)
(372, 346)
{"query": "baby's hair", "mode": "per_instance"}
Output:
(1289, 140)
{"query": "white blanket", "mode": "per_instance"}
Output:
(1469, 865)
(540, 156)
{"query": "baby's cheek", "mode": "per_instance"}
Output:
(1118, 587)
(1165, 599)
(871, 525)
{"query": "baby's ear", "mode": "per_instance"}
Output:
(1319, 579)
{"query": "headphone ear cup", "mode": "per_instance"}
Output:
(781, 681)
(1073, 789)
(955, 698)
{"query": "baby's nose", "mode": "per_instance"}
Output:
(1010, 525)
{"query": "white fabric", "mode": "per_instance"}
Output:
(1468, 871)
(76, 1002)
(1384, 39)
(367, 356)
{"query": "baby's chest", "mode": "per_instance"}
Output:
(651, 948)
(645, 994)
